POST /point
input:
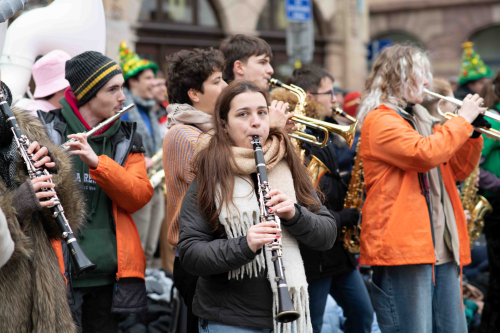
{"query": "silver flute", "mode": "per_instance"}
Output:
(101, 125)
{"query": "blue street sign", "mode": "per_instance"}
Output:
(298, 10)
(376, 46)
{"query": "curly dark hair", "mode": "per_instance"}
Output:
(241, 47)
(188, 70)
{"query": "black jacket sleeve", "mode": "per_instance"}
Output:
(316, 231)
(200, 252)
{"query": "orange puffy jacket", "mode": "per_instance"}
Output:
(396, 228)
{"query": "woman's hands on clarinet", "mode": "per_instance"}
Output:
(83, 149)
(41, 155)
(260, 234)
(42, 158)
(280, 204)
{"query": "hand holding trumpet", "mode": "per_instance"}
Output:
(471, 108)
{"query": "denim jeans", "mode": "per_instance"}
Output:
(406, 300)
(350, 293)
(207, 326)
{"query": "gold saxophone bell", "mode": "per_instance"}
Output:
(156, 174)
(317, 170)
(476, 204)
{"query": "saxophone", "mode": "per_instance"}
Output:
(156, 174)
(476, 204)
(354, 199)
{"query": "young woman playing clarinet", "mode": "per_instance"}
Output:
(221, 238)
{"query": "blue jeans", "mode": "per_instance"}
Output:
(208, 326)
(406, 300)
(350, 293)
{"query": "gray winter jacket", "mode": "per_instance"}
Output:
(248, 301)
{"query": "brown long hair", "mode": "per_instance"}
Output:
(214, 164)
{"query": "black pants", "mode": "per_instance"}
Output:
(186, 284)
(490, 319)
(92, 310)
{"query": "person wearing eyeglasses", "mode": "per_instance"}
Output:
(333, 271)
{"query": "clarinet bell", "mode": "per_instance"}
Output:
(286, 312)
(82, 264)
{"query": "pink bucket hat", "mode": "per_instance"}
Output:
(48, 73)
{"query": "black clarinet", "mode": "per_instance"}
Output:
(286, 312)
(82, 264)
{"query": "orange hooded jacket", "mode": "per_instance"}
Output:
(396, 228)
(129, 189)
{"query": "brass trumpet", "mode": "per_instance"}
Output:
(346, 131)
(491, 133)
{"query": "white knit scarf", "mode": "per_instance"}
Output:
(238, 218)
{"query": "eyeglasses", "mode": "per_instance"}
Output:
(329, 92)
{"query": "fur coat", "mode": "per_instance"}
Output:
(32, 288)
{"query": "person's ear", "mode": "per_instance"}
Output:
(238, 68)
(193, 95)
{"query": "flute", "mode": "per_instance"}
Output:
(101, 125)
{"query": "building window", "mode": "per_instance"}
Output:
(168, 26)
(272, 26)
(487, 45)
(189, 12)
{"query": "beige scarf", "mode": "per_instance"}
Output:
(238, 218)
(186, 114)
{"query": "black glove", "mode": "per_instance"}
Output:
(479, 122)
(349, 217)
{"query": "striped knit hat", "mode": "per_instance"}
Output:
(88, 72)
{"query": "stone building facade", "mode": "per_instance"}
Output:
(156, 28)
(441, 27)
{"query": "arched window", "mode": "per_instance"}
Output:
(168, 26)
(487, 45)
(272, 26)
(193, 12)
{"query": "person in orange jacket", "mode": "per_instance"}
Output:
(414, 231)
(111, 169)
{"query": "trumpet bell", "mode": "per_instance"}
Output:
(317, 170)
(348, 132)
